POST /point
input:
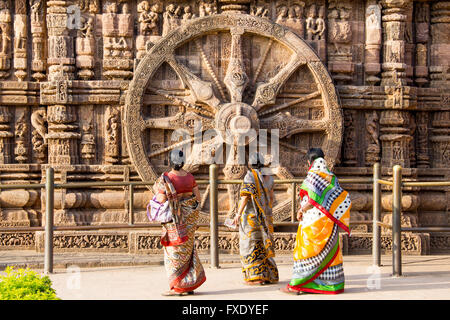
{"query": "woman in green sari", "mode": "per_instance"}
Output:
(255, 221)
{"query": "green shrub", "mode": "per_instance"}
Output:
(25, 284)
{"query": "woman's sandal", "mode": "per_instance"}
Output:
(254, 283)
(291, 291)
(172, 293)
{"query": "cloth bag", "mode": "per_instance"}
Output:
(174, 229)
(157, 211)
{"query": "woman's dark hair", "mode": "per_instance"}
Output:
(256, 161)
(314, 153)
(176, 159)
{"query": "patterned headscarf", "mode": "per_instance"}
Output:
(324, 192)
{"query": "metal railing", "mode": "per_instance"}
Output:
(397, 184)
(214, 183)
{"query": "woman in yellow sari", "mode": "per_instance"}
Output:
(325, 207)
(256, 226)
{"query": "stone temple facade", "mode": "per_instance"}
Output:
(95, 88)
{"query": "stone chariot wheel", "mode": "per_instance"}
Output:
(233, 73)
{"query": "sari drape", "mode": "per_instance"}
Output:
(181, 261)
(256, 243)
(318, 263)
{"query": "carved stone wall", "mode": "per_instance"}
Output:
(95, 88)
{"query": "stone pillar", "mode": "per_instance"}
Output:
(439, 70)
(117, 41)
(409, 45)
(5, 135)
(38, 63)
(423, 158)
(88, 150)
(373, 43)
(350, 152)
(61, 116)
(395, 134)
(422, 34)
(422, 18)
(5, 42)
(395, 138)
(440, 140)
(85, 43)
(20, 40)
(440, 44)
(149, 27)
(340, 33)
(394, 35)
(61, 58)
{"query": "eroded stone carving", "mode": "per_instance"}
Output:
(75, 118)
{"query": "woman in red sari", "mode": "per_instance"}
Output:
(181, 260)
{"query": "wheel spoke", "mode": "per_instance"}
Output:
(292, 147)
(262, 61)
(236, 79)
(201, 91)
(171, 147)
(210, 69)
(173, 122)
(291, 103)
(182, 102)
(181, 120)
(289, 125)
(266, 93)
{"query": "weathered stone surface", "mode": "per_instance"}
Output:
(85, 90)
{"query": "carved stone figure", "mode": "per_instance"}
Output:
(320, 24)
(373, 43)
(39, 141)
(87, 144)
(373, 147)
(171, 18)
(282, 12)
(188, 14)
(207, 8)
(148, 18)
(21, 129)
(311, 22)
(294, 19)
(259, 11)
(35, 11)
(91, 6)
(112, 136)
(5, 38)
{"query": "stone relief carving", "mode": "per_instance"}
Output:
(148, 18)
(112, 136)
(70, 122)
(39, 141)
(5, 38)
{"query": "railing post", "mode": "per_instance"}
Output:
(214, 229)
(130, 205)
(396, 222)
(294, 201)
(49, 206)
(376, 241)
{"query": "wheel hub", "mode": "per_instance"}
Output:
(235, 122)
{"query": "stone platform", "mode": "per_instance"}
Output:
(143, 277)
